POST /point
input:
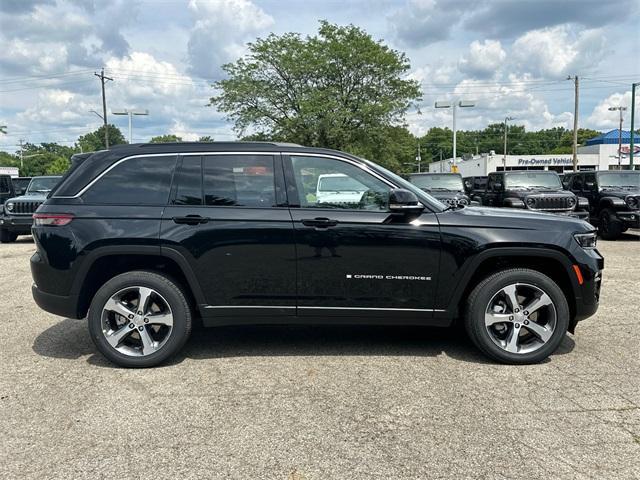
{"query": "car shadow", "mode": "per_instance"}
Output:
(24, 239)
(70, 340)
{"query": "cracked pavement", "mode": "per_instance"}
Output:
(302, 403)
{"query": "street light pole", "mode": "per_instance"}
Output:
(453, 106)
(130, 114)
(633, 115)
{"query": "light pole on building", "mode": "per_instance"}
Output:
(621, 109)
(453, 106)
(633, 115)
(504, 156)
(130, 113)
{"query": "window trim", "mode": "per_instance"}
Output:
(292, 187)
(84, 189)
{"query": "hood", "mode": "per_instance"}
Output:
(539, 193)
(520, 218)
(31, 197)
(620, 192)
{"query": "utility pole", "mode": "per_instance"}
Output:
(104, 106)
(419, 158)
(504, 156)
(21, 155)
(621, 109)
(633, 114)
(576, 83)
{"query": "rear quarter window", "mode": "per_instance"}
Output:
(134, 181)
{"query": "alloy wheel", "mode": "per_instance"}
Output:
(137, 321)
(520, 318)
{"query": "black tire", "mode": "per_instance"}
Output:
(175, 297)
(7, 237)
(478, 303)
(610, 227)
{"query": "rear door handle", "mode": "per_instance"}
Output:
(319, 222)
(190, 220)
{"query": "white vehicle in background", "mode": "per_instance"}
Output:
(337, 188)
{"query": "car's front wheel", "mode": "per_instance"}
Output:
(139, 319)
(517, 316)
(609, 226)
(6, 236)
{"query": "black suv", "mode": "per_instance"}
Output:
(16, 215)
(142, 238)
(536, 190)
(446, 187)
(614, 199)
(7, 189)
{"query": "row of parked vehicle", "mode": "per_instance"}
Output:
(609, 200)
(19, 199)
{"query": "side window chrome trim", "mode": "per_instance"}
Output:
(176, 154)
(346, 160)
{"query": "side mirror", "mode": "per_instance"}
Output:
(404, 201)
(590, 185)
(497, 186)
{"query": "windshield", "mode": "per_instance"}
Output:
(619, 179)
(42, 184)
(437, 182)
(340, 184)
(533, 180)
(20, 183)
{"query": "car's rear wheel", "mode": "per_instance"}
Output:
(139, 319)
(609, 226)
(7, 237)
(517, 316)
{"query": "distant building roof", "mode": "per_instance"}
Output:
(610, 137)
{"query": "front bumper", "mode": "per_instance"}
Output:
(631, 219)
(17, 224)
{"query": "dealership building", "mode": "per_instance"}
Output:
(599, 153)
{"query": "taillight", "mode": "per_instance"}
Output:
(52, 219)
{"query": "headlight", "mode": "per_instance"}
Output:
(531, 202)
(583, 202)
(9, 206)
(462, 201)
(632, 202)
(572, 201)
(586, 240)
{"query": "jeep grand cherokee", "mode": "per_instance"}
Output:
(142, 238)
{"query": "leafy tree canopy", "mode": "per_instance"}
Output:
(338, 89)
(94, 141)
(169, 138)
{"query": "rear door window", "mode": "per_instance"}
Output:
(134, 181)
(239, 180)
(189, 182)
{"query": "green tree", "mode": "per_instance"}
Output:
(58, 166)
(94, 141)
(339, 89)
(206, 139)
(169, 138)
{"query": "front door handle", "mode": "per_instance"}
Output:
(319, 222)
(190, 220)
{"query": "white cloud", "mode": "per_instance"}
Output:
(483, 59)
(558, 51)
(220, 33)
(601, 117)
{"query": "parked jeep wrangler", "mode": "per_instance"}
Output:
(15, 219)
(536, 190)
(475, 187)
(140, 239)
(613, 196)
(446, 187)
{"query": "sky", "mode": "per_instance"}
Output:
(510, 57)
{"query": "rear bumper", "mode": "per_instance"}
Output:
(64, 306)
(20, 225)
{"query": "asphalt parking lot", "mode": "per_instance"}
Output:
(320, 402)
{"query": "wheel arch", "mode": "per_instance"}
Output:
(107, 262)
(556, 265)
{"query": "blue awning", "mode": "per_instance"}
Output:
(611, 138)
